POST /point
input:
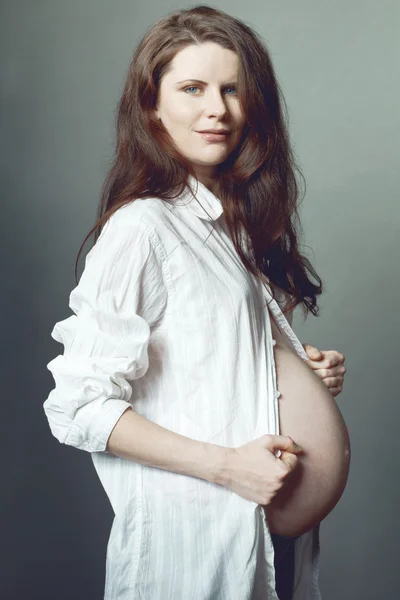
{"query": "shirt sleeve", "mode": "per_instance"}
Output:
(120, 295)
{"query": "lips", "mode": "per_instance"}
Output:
(213, 137)
(218, 131)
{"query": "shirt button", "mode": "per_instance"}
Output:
(277, 394)
(273, 342)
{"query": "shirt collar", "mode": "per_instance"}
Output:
(205, 198)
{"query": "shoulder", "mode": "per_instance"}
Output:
(131, 231)
(140, 230)
(150, 218)
(148, 213)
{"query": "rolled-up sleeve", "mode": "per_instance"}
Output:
(120, 295)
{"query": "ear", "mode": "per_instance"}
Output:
(156, 113)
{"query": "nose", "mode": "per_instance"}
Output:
(214, 104)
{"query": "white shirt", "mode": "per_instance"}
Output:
(168, 321)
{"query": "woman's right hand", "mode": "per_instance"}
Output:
(255, 473)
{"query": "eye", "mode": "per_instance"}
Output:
(195, 87)
(192, 87)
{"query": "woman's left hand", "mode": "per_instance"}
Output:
(328, 365)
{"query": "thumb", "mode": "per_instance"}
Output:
(283, 442)
(312, 352)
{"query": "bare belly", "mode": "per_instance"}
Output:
(309, 414)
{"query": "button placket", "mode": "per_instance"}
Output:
(277, 392)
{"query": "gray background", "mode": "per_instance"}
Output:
(63, 65)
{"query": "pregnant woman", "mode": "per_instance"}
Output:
(218, 443)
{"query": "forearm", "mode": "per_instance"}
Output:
(136, 438)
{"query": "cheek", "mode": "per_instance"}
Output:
(239, 126)
(180, 112)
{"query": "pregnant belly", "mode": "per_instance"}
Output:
(309, 414)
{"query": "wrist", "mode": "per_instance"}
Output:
(220, 464)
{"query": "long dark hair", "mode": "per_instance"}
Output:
(256, 184)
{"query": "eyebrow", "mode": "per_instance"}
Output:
(200, 81)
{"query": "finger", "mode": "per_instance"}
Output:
(331, 359)
(331, 382)
(334, 357)
(282, 442)
(289, 459)
(336, 391)
(316, 365)
(338, 371)
(328, 361)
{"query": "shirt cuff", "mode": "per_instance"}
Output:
(100, 428)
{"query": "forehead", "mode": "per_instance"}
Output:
(208, 61)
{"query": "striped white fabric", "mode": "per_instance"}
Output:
(167, 321)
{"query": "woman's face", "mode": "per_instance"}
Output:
(199, 92)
